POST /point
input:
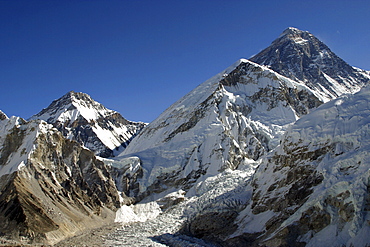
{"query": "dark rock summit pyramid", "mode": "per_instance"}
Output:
(301, 56)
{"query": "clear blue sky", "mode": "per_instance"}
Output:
(139, 56)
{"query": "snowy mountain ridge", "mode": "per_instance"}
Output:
(82, 119)
(227, 121)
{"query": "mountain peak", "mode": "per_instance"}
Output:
(85, 120)
(77, 97)
(301, 56)
(70, 106)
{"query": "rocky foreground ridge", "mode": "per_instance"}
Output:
(262, 154)
(51, 187)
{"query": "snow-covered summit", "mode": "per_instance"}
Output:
(71, 106)
(301, 56)
(81, 118)
(293, 31)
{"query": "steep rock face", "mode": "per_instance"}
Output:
(80, 118)
(299, 55)
(313, 190)
(50, 187)
(230, 120)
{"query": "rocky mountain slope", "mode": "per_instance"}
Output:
(50, 187)
(300, 56)
(99, 129)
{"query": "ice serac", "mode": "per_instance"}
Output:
(299, 55)
(313, 190)
(50, 187)
(231, 120)
(99, 129)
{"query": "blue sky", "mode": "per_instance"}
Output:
(139, 56)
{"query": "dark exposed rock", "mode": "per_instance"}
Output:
(12, 142)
